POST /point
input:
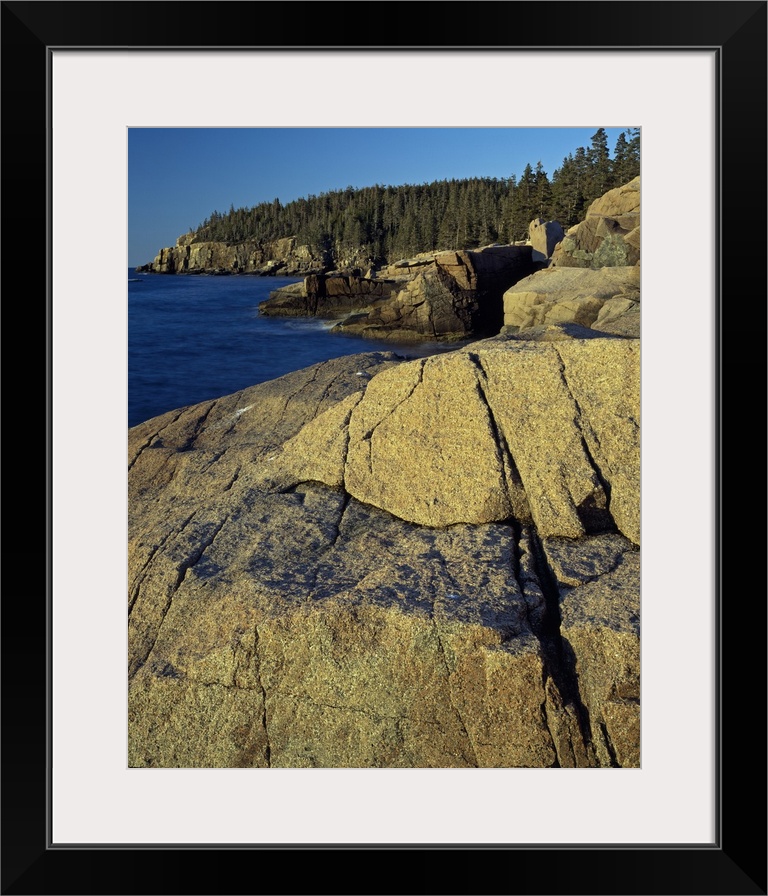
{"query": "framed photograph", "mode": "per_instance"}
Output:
(691, 75)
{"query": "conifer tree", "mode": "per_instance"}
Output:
(448, 231)
(524, 204)
(381, 223)
(626, 157)
(598, 157)
(564, 191)
(508, 212)
(542, 192)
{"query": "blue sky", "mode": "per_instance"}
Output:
(178, 176)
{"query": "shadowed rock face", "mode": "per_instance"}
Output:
(438, 295)
(329, 297)
(374, 562)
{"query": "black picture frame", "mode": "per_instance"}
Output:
(736, 862)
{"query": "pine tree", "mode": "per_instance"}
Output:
(620, 159)
(542, 192)
(524, 204)
(448, 231)
(508, 212)
(382, 223)
(599, 160)
(626, 157)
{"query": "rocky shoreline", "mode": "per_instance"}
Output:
(377, 562)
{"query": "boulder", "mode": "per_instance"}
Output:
(544, 236)
(385, 563)
(609, 235)
(620, 316)
(571, 295)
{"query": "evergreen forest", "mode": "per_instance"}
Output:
(380, 223)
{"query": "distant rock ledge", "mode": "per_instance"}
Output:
(284, 257)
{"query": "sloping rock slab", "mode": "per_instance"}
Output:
(278, 621)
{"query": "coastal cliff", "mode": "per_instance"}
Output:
(284, 257)
(381, 562)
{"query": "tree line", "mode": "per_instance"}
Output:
(381, 223)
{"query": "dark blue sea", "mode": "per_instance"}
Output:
(196, 337)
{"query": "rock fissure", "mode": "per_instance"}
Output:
(368, 713)
(517, 571)
(215, 459)
(609, 746)
(454, 707)
(558, 665)
(344, 504)
(259, 679)
(141, 575)
(579, 422)
(503, 451)
(346, 497)
(544, 628)
(402, 401)
(140, 450)
(301, 388)
(199, 426)
(227, 425)
(220, 684)
(367, 437)
(233, 480)
(195, 557)
(152, 438)
(545, 718)
(326, 392)
(183, 569)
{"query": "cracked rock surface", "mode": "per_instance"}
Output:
(384, 563)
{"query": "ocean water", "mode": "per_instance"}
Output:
(196, 337)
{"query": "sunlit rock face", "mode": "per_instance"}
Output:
(589, 298)
(609, 235)
(284, 256)
(544, 237)
(384, 563)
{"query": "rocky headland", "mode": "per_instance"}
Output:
(284, 257)
(454, 295)
(380, 562)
